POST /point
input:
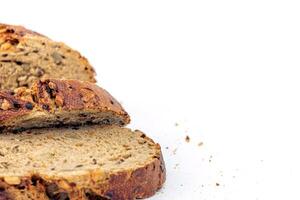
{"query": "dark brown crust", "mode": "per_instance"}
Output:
(53, 95)
(143, 182)
(15, 108)
(74, 95)
(138, 184)
(20, 31)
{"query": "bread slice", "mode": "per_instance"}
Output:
(26, 56)
(54, 102)
(89, 162)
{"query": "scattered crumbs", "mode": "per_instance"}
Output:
(167, 147)
(176, 124)
(202, 185)
(217, 184)
(174, 151)
(233, 176)
(210, 158)
(176, 165)
(187, 139)
(200, 144)
(221, 173)
(181, 185)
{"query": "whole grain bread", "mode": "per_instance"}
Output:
(26, 56)
(85, 163)
(54, 102)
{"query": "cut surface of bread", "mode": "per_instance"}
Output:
(89, 162)
(54, 102)
(26, 56)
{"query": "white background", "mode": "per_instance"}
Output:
(226, 73)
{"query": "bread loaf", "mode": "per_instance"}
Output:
(54, 102)
(85, 163)
(26, 56)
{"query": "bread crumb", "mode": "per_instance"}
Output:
(167, 147)
(187, 139)
(176, 165)
(200, 144)
(176, 124)
(217, 184)
(174, 151)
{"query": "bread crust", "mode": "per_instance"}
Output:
(138, 183)
(52, 95)
(7, 31)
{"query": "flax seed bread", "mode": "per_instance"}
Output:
(86, 163)
(26, 56)
(54, 102)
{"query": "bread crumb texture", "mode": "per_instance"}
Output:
(93, 161)
(26, 56)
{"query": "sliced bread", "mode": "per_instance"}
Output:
(84, 163)
(26, 56)
(54, 102)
